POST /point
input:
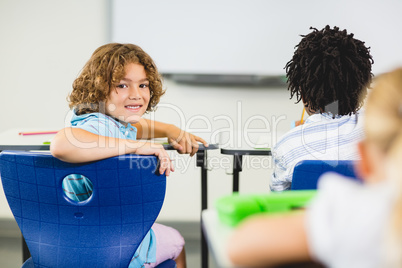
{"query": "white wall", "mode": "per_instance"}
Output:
(44, 45)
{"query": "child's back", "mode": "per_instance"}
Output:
(320, 137)
(329, 72)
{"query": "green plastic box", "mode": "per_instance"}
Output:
(232, 209)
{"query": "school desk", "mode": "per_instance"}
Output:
(238, 160)
(218, 234)
(34, 141)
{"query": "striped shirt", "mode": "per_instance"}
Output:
(320, 137)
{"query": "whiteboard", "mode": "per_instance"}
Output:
(255, 37)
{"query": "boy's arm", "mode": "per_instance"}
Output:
(76, 145)
(182, 141)
(269, 240)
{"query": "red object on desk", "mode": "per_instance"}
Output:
(37, 133)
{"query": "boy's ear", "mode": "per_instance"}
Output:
(363, 167)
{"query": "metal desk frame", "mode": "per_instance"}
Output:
(238, 161)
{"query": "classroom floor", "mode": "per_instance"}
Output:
(11, 244)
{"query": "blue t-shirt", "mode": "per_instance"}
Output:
(79, 188)
(104, 125)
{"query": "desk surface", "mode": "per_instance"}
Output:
(217, 235)
(46, 147)
(251, 151)
(11, 137)
(11, 140)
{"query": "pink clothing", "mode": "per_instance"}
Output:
(169, 244)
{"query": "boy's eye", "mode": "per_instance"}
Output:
(121, 86)
(144, 85)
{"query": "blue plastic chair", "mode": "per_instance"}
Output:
(307, 172)
(103, 231)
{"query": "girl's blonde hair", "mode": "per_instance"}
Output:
(104, 70)
(383, 126)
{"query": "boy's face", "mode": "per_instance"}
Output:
(129, 99)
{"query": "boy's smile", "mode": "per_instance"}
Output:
(129, 99)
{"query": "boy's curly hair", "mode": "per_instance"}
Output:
(104, 70)
(330, 67)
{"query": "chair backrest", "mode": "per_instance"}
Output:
(307, 172)
(104, 230)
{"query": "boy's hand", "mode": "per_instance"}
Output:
(147, 148)
(299, 123)
(184, 142)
